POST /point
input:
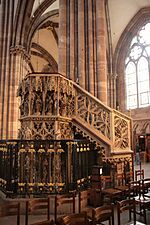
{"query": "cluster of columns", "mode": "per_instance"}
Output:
(82, 44)
(17, 69)
(14, 62)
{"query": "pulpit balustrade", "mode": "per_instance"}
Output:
(41, 167)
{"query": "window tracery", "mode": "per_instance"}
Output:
(137, 70)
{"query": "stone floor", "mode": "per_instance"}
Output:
(11, 220)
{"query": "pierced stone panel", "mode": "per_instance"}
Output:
(93, 113)
(121, 133)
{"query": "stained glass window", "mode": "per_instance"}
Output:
(137, 70)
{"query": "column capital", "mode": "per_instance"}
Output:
(20, 50)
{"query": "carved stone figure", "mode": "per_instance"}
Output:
(57, 166)
(62, 105)
(32, 103)
(49, 104)
(26, 105)
(20, 133)
(28, 134)
(39, 84)
(22, 108)
(38, 105)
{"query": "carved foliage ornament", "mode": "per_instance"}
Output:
(121, 133)
(93, 113)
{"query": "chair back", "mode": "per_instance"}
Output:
(129, 176)
(146, 183)
(139, 174)
(134, 189)
(74, 219)
(37, 205)
(119, 179)
(66, 200)
(107, 182)
(126, 205)
(84, 199)
(103, 213)
(11, 208)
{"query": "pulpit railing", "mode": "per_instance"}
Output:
(42, 167)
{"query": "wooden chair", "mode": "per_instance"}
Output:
(109, 192)
(121, 185)
(66, 201)
(33, 205)
(136, 191)
(146, 185)
(130, 206)
(139, 174)
(129, 176)
(103, 213)
(84, 202)
(10, 209)
(74, 219)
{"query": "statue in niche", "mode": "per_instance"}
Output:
(39, 84)
(20, 133)
(33, 84)
(38, 105)
(28, 134)
(57, 168)
(62, 105)
(21, 107)
(26, 105)
(58, 134)
(55, 103)
(49, 104)
(32, 103)
(69, 106)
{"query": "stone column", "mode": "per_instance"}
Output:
(6, 8)
(91, 47)
(62, 37)
(81, 44)
(72, 40)
(112, 90)
(18, 72)
(101, 51)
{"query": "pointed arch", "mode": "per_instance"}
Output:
(23, 21)
(139, 20)
(37, 25)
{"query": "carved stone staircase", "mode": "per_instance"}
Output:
(51, 104)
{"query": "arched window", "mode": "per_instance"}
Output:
(137, 70)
